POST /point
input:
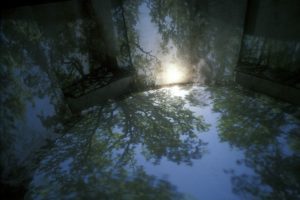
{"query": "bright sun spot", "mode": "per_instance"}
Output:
(177, 91)
(173, 74)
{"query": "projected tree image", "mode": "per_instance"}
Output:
(260, 128)
(106, 141)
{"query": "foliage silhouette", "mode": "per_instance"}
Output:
(263, 129)
(97, 157)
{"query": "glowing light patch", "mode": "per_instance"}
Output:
(173, 74)
(177, 91)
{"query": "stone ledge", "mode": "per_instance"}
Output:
(269, 87)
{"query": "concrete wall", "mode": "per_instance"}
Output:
(276, 19)
(272, 34)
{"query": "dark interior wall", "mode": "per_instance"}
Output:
(79, 34)
(276, 19)
(272, 35)
(44, 48)
(225, 30)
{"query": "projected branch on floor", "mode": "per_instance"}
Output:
(106, 140)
